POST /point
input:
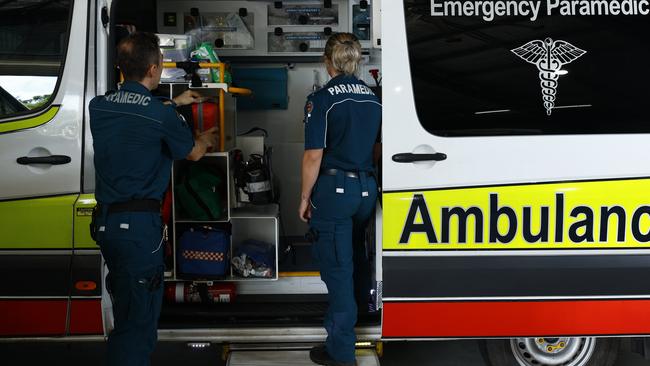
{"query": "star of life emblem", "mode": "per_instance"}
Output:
(549, 56)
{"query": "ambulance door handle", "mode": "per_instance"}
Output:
(52, 160)
(410, 157)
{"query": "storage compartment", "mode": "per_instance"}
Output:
(265, 47)
(207, 240)
(202, 190)
(255, 239)
(269, 84)
(174, 48)
(303, 13)
(297, 42)
(226, 30)
(243, 28)
(214, 93)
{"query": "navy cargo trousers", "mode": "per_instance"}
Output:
(340, 213)
(131, 244)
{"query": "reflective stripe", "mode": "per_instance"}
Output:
(122, 112)
(39, 223)
(30, 122)
(585, 215)
(199, 109)
(515, 318)
(180, 294)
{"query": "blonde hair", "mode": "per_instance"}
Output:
(343, 51)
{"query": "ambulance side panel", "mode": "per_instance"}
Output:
(519, 230)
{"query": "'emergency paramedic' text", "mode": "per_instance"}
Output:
(490, 10)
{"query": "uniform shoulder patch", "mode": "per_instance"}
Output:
(309, 107)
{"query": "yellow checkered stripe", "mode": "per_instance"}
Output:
(203, 256)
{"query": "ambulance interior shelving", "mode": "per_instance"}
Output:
(274, 49)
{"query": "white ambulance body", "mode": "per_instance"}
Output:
(515, 204)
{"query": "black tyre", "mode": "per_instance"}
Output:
(561, 351)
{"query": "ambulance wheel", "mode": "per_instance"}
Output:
(562, 351)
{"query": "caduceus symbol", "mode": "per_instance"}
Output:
(549, 56)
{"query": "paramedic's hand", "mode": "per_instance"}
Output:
(203, 143)
(208, 137)
(304, 211)
(188, 97)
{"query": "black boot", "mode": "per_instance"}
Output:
(319, 355)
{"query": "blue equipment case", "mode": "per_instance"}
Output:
(204, 253)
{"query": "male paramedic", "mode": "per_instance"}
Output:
(136, 137)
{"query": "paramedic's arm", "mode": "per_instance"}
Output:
(376, 151)
(188, 97)
(315, 135)
(311, 160)
(177, 135)
(204, 141)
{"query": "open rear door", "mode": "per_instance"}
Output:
(42, 70)
(516, 194)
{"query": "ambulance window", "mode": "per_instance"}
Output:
(33, 37)
(507, 67)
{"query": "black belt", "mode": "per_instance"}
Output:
(148, 205)
(348, 174)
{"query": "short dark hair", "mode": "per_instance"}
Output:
(136, 52)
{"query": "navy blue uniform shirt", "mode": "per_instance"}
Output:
(135, 137)
(343, 118)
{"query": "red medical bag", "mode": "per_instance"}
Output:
(205, 115)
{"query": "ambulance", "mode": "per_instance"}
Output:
(515, 189)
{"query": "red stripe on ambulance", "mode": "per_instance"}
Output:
(32, 317)
(86, 317)
(515, 318)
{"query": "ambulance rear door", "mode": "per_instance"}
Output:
(516, 190)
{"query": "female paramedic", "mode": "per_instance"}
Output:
(339, 191)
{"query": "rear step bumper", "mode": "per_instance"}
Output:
(261, 335)
(364, 357)
(241, 335)
(281, 354)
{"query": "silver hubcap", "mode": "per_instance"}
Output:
(563, 351)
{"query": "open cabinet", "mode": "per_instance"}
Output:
(294, 295)
(241, 225)
(203, 208)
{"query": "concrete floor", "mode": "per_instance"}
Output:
(447, 353)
